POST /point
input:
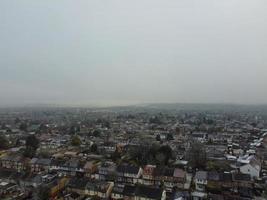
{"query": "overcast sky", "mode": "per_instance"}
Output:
(133, 51)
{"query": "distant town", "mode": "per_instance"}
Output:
(146, 152)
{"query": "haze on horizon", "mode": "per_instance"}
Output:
(133, 51)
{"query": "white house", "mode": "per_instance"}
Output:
(249, 165)
(201, 180)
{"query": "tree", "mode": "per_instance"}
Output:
(196, 155)
(155, 120)
(96, 133)
(72, 130)
(43, 193)
(3, 126)
(116, 156)
(32, 144)
(138, 154)
(95, 198)
(32, 141)
(219, 166)
(17, 120)
(4, 143)
(75, 141)
(158, 138)
(155, 154)
(44, 153)
(29, 152)
(167, 152)
(265, 192)
(42, 127)
(177, 130)
(18, 143)
(169, 137)
(106, 124)
(210, 141)
(93, 148)
(23, 126)
(160, 158)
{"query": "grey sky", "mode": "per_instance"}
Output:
(133, 51)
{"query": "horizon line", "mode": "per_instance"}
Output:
(106, 105)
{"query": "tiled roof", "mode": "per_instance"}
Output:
(148, 192)
(179, 173)
(128, 169)
(201, 175)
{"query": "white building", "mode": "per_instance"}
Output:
(249, 165)
(201, 180)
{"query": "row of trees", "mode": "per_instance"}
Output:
(155, 154)
(32, 144)
(76, 141)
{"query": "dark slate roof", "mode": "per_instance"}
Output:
(245, 192)
(118, 189)
(6, 173)
(97, 185)
(148, 192)
(43, 161)
(226, 177)
(78, 183)
(241, 177)
(201, 175)
(129, 190)
(213, 176)
(73, 163)
(128, 169)
(13, 158)
(163, 171)
(168, 172)
(58, 162)
(158, 171)
(74, 195)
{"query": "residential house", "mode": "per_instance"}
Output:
(31, 181)
(249, 165)
(107, 171)
(17, 162)
(143, 192)
(122, 191)
(72, 166)
(117, 191)
(90, 167)
(201, 180)
(128, 173)
(98, 188)
(57, 186)
(148, 175)
(90, 187)
(214, 182)
(179, 176)
(7, 188)
(226, 180)
(242, 180)
(42, 164)
(78, 185)
(170, 177)
(137, 192)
